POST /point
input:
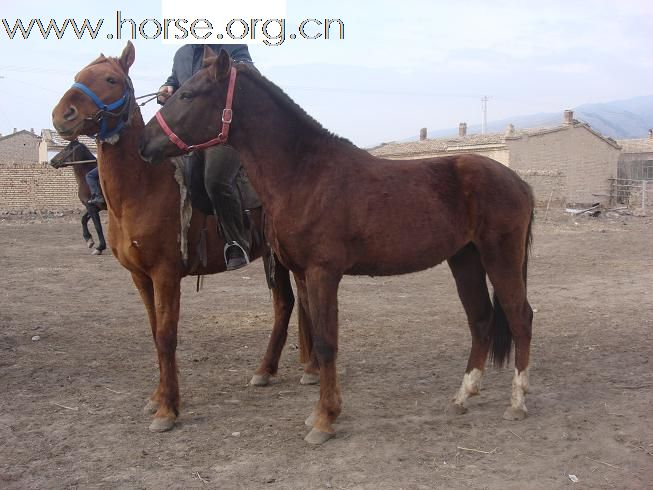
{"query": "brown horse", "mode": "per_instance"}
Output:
(143, 204)
(334, 209)
(78, 152)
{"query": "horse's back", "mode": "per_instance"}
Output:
(459, 181)
(432, 207)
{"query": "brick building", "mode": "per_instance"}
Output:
(27, 182)
(19, 147)
(570, 163)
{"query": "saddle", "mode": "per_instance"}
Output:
(192, 193)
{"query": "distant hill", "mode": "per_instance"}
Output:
(619, 119)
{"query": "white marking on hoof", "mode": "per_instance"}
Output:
(96, 252)
(470, 386)
(162, 424)
(318, 437)
(522, 380)
(260, 380)
(517, 410)
(151, 407)
(90, 243)
(310, 379)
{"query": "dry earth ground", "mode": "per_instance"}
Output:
(70, 403)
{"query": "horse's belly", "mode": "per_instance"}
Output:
(395, 261)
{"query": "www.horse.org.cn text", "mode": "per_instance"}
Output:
(271, 32)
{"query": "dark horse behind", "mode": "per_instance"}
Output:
(78, 152)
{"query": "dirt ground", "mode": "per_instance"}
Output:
(70, 402)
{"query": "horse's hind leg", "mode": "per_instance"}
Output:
(88, 238)
(311, 374)
(505, 261)
(284, 301)
(469, 274)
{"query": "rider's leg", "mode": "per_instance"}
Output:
(221, 167)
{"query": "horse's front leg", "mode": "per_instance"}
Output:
(88, 238)
(322, 288)
(146, 289)
(97, 222)
(166, 301)
(284, 301)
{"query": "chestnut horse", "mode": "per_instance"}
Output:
(143, 204)
(334, 209)
(78, 152)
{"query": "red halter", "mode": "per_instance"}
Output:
(227, 115)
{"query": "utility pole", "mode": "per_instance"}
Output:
(484, 100)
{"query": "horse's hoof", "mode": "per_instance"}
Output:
(455, 409)
(96, 252)
(90, 243)
(151, 407)
(317, 437)
(162, 424)
(310, 421)
(512, 413)
(260, 380)
(310, 379)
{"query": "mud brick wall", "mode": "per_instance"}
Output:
(546, 185)
(586, 162)
(37, 186)
(19, 148)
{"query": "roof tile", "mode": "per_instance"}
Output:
(54, 139)
(470, 142)
(643, 145)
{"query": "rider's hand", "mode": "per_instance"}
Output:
(165, 91)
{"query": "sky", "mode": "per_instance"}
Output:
(400, 67)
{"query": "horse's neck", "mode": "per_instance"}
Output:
(80, 172)
(120, 164)
(274, 145)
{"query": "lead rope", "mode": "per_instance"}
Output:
(152, 96)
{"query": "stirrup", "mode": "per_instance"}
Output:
(235, 244)
(96, 199)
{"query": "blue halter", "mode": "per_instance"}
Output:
(105, 110)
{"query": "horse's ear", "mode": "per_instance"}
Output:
(209, 56)
(221, 66)
(127, 57)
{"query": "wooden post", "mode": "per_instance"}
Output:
(644, 195)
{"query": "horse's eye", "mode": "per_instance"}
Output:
(186, 95)
(111, 80)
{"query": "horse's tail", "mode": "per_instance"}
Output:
(501, 333)
(501, 336)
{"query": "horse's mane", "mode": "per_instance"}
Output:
(103, 59)
(284, 100)
(88, 153)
